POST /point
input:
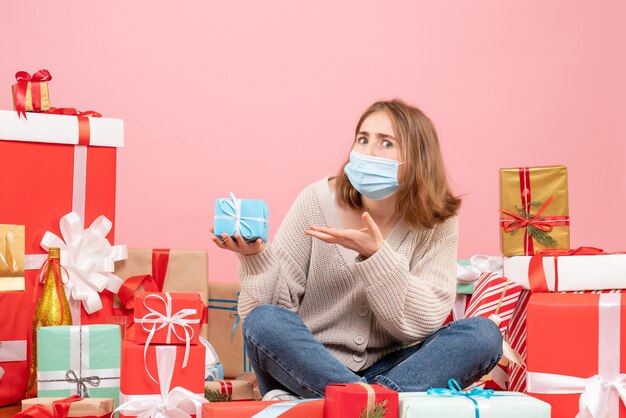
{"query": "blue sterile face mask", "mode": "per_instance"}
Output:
(373, 177)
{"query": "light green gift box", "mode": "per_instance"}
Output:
(500, 405)
(83, 360)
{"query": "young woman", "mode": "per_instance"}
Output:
(362, 273)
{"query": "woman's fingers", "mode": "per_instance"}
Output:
(370, 224)
(321, 235)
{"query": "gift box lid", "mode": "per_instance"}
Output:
(59, 129)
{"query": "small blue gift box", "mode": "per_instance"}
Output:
(247, 217)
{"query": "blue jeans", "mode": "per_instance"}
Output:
(285, 355)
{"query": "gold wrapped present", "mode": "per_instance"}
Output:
(178, 271)
(11, 257)
(534, 210)
(30, 93)
(86, 407)
(225, 328)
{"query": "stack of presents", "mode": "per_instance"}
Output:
(92, 328)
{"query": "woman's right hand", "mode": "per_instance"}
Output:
(238, 245)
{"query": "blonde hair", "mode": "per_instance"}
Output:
(424, 198)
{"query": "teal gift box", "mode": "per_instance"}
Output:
(82, 360)
(247, 217)
(498, 405)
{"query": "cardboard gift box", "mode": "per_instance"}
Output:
(498, 405)
(61, 164)
(350, 400)
(78, 360)
(81, 407)
(304, 408)
(178, 271)
(11, 257)
(534, 209)
(161, 375)
(234, 390)
(585, 268)
(31, 93)
(14, 337)
(246, 217)
(576, 353)
(225, 328)
(168, 318)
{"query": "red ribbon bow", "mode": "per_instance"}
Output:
(518, 222)
(23, 78)
(60, 409)
(83, 120)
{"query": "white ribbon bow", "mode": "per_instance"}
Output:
(232, 208)
(88, 257)
(595, 392)
(176, 403)
(478, 264)
(161, 320)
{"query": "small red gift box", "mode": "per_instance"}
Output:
(304, 408)
(141, 375)
(60, 164)
(168, 318)
(349, 401)
(13, 346)
(577, 353)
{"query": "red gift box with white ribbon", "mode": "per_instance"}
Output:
(56, 165)
(167, 318)
(577, 353)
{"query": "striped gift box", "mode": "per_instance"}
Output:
(494, 297)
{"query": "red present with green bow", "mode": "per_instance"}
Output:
(534, 211)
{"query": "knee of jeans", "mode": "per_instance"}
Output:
(262, 321)
(488, 338)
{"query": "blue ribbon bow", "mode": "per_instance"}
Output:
(455, 390)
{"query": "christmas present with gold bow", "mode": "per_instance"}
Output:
(79, 360)
(225, 328)
(11, 257)
(534, 211)
(161, 270)
(161, 377)
(14, 335)
(360, 400)
(30, 92)
(73, 406)
(59, 164)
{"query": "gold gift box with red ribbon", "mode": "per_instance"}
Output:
(534, 209)
(30, 93)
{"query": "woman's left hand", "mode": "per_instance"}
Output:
(365, 241)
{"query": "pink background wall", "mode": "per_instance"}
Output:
(262, 99)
